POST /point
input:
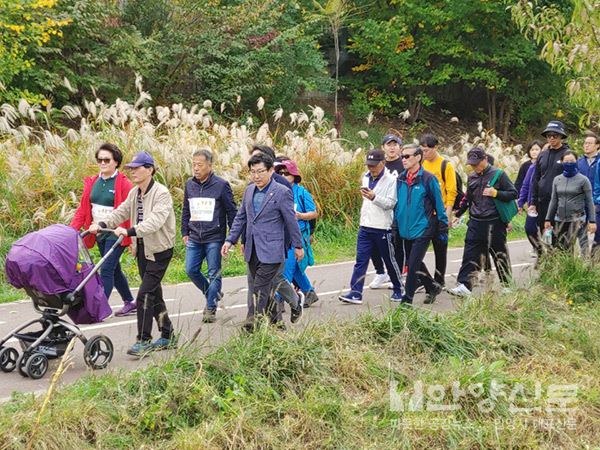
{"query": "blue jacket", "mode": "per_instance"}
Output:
(593, 175)
(265, 230)
(208, 229)
(420, 207)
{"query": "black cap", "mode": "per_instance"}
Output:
(374, 157)
(391, 137)
(475, 156)
(555, 126)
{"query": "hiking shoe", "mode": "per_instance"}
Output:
(311, 299)
(431, 296)
(350, 298)
(248, 325)
(397, 296)
(460, 291)
(141, 348)
(127, 309)
(296, 313)
(209, 316)
(165, 344)
(381, 281)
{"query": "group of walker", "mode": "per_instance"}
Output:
(411, 196)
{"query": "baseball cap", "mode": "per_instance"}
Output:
(391, 137)
(374, 157)
(475, 156)
(141, 159)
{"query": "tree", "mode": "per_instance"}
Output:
(465, 56)
(25, 27)
(335, 13)
(571, 45)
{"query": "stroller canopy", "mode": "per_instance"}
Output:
(54, 261)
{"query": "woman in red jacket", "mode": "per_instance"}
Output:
(101, 194)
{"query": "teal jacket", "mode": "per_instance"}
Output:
(420, 209)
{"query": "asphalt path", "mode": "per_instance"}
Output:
(185, 304)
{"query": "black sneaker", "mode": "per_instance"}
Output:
(209, 316)
(431, 296)
(296, 313)
(311, 299)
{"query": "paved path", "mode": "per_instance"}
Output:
(185, 304)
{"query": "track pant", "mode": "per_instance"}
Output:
(150, 301)
(367, 240)
(483, 236)
(399, 254)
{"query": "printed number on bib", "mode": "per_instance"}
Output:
(202, 209)
(100, 212)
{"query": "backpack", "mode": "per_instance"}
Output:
(460, 193)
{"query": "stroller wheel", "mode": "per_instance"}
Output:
(8, 359)
(36, 366)
(98, 352)
(21, 363)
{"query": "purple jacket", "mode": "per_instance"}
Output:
(265, 231)
(526, 189)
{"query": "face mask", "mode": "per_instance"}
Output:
(569, 169)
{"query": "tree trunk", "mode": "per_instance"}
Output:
(336, 42)
(491, 100)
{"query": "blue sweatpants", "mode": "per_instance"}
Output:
(367, 240)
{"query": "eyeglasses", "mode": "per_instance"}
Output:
(407, 156)
(258, 172)
(103, 160)
(553, 136)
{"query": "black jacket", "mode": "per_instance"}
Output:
(521, 175)
(547, 167)
(483, 207)
(225, 209)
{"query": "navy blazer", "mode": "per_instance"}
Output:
(265, 231)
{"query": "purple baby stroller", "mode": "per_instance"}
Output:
(55, 269)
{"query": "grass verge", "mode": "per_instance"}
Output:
(348, 384)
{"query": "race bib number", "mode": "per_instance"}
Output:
(202, 209)
(100, 212)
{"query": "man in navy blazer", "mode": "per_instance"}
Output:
(266, 212)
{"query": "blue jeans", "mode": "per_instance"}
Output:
(292, 272)
(111, 273)
(195, 254)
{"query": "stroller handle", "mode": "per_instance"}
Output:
(101, 230)
(70, 298)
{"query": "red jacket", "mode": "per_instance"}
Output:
(83, 215)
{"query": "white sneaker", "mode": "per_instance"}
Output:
(460, 290)
(381, 281)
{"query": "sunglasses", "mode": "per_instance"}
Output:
(553, 136)
(103, 160)
(283, 173)
(407, 156)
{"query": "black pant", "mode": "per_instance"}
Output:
(542, 210)
(398, 254)
(150, 301)
(440, 249)
(566, 234)
(483, 237)
(260, 282)
(417, 270)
